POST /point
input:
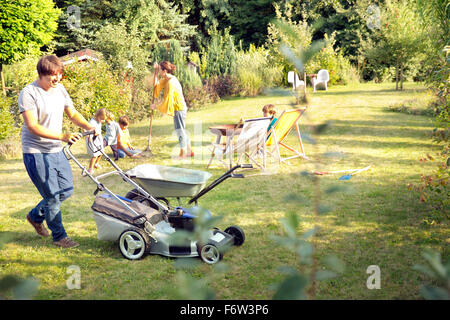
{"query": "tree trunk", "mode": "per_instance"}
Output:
(401, 77)
(396, 76)
(3, 80)
(295, 82)
(304, 79)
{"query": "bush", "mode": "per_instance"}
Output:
(197, 98)
(415, 107)
(255, 71)
(214, 88)
(92, 86)
(297, 37)
(434, 188)
(191, 79)
(339, 68)
(223, 86)
(170, 51)
(219, 56)
(7, 122)
(21, 73)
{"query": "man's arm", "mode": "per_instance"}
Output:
(78, 119)
(35, 128)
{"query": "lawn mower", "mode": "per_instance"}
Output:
(143, 225)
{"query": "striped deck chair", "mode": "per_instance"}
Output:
(249, 143)
(279, 131)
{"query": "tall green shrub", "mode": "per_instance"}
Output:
(399, 39)
(7, 122)
(339, 68)
(25, 26)
(297, 39)
(124, 47)
(255, 71)
(92, 85)
(219, 56)
(172, 51)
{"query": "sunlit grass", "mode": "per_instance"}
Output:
(378, 222)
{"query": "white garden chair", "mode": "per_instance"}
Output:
(296, 82)
(322, 79)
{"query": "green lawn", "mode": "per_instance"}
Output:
(379, 222)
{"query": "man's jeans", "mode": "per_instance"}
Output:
(52, 175)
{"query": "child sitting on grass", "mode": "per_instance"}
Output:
(124, 146)
(113, 132)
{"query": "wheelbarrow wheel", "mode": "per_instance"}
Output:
(134, 244)
(237, 233)
(209, 253)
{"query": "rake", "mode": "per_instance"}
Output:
(148, 150)
(344, 177)
(349, 176)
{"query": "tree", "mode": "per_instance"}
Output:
(156, 20)
(207, 15)
(399, 39)
(249, 20)
(435, 16)
(219, 54)
(25, 26)
(293, 35)
(343, 18)
(151, 21)
(78, 23)
(127, 46)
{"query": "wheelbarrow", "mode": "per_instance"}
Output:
(163, 182)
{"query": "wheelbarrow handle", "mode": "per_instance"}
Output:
(222, 178)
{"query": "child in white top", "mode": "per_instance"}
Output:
(96, 121)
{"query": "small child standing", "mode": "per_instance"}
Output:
(96, 121)
(124, 141)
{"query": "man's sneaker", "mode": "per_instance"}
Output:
(66, 243)
(39, 227)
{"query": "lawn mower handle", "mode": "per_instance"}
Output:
(222, 178)
(83, 134)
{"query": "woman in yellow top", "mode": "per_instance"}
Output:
(173, 103)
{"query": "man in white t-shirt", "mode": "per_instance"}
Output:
(42, 105)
